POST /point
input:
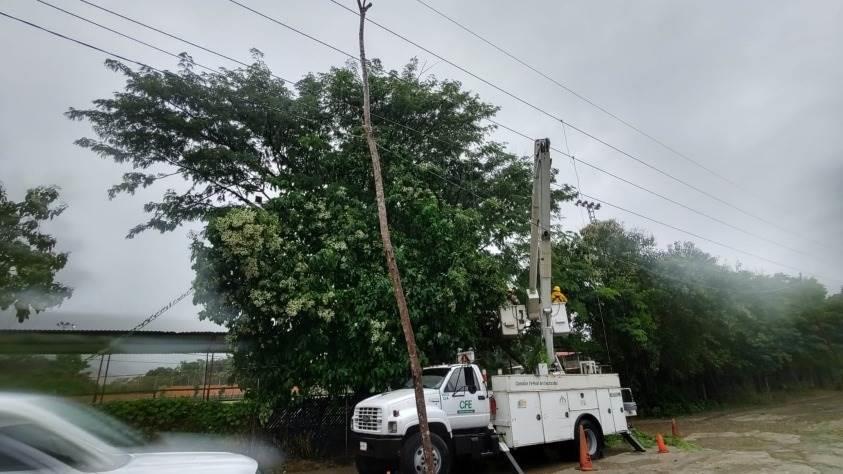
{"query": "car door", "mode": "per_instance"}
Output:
(464, 399)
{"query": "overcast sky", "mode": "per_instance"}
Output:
(751, 89)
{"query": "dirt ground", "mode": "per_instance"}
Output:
(802, 435)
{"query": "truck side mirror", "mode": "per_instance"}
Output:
(472, 389)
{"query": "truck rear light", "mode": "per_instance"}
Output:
(493, 405)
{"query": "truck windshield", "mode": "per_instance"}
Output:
(431, 378)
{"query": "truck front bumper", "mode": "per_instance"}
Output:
(378, 446)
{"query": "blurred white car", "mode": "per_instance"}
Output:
(45, 434)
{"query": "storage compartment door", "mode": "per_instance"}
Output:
(525, 419)
(556, 418)
(607, 420)
(582, 400)
(618, 412)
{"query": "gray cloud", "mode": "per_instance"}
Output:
(750, 89)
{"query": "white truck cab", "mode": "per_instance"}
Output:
(458, 413)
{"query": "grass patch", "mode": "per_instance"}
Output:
(649, 442)
(680, 443)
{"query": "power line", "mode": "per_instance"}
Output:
(245, 64)
(575, 93)
(79, 42)
(616, 259)
(296, 30)
(557, 118)
(132, 38)
(164, 33)
(143, 323)
(678, 180)
(184, 295)
(684, 206)
(693, 234)
(591, 219)
(672, 177)
(352, 56)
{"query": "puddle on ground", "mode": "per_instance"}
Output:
(758, 418)
(829, 460)
(755, 437)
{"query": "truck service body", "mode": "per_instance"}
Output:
(468, 418)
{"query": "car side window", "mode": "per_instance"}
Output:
(470, 383)
(11, 461)
(455, 383)
(462, 380)
(11, 464)
(48, 443)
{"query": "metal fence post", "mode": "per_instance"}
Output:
(345, 421)
(97, 386)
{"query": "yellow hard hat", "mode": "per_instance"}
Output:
(556, 288)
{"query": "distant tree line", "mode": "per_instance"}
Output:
(63, 374)
(186, 373)
(682, 328)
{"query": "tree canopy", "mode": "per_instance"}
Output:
(28, 258)
(290, 259)
(291, 263)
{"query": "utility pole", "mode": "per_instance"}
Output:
(389, 252)
(542, 151)
(539, 304)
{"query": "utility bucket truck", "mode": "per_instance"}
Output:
(470, 415)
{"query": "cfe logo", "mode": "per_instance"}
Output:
(465, 407)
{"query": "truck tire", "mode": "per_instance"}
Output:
(593, 437)
(412, 455)
(367, 465)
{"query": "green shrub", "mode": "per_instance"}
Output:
(153, 416)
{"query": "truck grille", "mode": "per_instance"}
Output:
(368, 419)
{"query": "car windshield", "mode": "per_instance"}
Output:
(107, 429)
(62, 449)
(431, 378)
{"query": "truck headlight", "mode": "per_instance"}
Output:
(392, 427)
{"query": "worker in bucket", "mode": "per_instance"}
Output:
(556, 296)
(512, 297)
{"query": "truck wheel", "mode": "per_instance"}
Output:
(367, 465)
(593, 437)
(412, 455)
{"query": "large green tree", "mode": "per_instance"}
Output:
(290, 259)
(28, 257)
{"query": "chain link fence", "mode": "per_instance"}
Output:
(317, 427)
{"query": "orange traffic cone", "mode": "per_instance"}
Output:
(660, 444)
(585, 459)
(673, 428)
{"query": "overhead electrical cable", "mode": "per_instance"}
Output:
(554, 117)
(82, 43)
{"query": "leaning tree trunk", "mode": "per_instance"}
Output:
(391, 264)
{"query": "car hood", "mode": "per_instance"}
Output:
(403, 398)
(188, 462)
